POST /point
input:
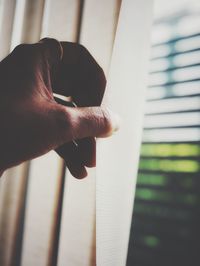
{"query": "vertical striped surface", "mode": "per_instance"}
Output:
(28, 21)
(46, 173)
(117, 157)
(78, 223)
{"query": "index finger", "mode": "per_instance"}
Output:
(78, 75)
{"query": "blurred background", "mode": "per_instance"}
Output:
(166, 216)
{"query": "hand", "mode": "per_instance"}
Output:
(33, 123)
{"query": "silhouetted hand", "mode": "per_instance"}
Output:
(33, 122)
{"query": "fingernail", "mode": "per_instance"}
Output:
(115, 122)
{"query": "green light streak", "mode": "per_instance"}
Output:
(147, 179)
(189, 166)
(163, 150)
(165, 196)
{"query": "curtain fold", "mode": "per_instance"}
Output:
(30, 193)
(117, 157)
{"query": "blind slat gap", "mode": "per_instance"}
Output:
(166, 213)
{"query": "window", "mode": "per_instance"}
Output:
(165, 223)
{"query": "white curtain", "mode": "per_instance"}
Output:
(29, 193)
(117, 157)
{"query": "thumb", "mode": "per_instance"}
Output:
(89, 122)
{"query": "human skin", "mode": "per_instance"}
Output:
(31, 121)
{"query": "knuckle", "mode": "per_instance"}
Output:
(82, 49)
(64, 122)
(25, 54)
(101, 80)
(85, 55)
(98, 82)
(52, 49)
(21, 49)
(47, 40)
(93, 75)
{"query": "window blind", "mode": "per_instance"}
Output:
(165, 222)
(79, 213)
(117, 157)
(33, 230)
(30, 194)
